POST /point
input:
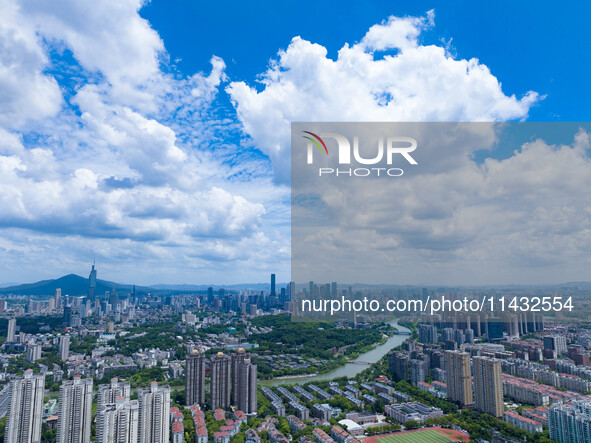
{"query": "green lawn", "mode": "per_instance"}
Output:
(426, 436)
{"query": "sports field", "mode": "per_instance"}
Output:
(426, 436)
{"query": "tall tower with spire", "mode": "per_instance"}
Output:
(92, 284)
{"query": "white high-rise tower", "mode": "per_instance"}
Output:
(25, 409)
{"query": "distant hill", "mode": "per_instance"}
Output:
(75, 285)
(70, 284)
(6, 284)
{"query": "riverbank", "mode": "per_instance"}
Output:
(284, 377)
(348, 369)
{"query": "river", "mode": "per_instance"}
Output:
(349, 369)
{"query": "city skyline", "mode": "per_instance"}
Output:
(147, 367)
(248, 285)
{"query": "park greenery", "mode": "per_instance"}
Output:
(313, 339)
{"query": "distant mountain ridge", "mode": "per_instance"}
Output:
(6, 284)
(76, 285)
(70, 284)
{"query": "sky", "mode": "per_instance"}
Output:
(442, 216)
(153, 138)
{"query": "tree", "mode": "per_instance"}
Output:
(284, 429)
(48, 435)
(179, 397)
(378, 406)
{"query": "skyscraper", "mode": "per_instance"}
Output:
(427, 334)
(237, 358)
(33, 351)
(292, 291)
(244, 382)
(11, 335)
(64, 347)
(489, 385)
(571, 422)
(67, 315)
(469, 334)
(75, 411)
(398, 365)
(459, 377)
(247, 388)
(92, 284)
(154, 403)
(557, 343)
(114, 298)
(220, 381)
(195, 379)
(494, 328)
(418, 369)
(273, 293)
(118, 422)
(108, 393)
(25, 409)
(58, 298)
(448, 334)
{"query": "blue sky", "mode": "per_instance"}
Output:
(154, 137)
(527, 45)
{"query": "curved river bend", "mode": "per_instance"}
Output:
(349, 369)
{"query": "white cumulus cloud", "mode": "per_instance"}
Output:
(416, 83)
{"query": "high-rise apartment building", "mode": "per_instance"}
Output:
(64, 347)
(488, 384)
(237, 358)
(118, 422)
(195, 379)
(109, 393)
(570, 422)
(459, 377)
(398, 365)
(427, 334)
(11, 335)
(448, 334)
(67, 315)
(556, 343)
(58, 298)
(244, 382)
(25, 409)
(221, 382)
(33, 351)
(418, 370)
(154, 403)
(75, 411)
